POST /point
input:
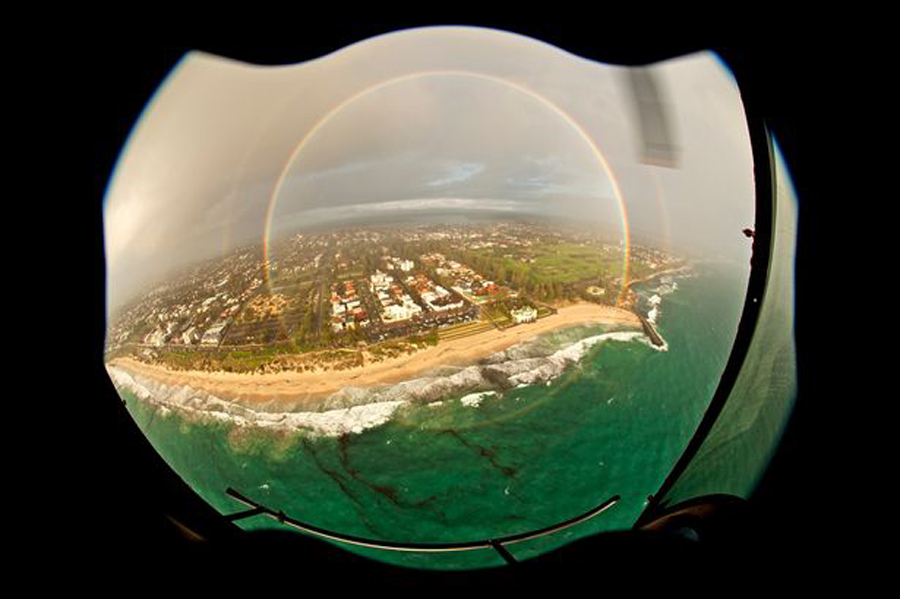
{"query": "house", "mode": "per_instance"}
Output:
(379, 280)
(403, 311)
(394, 312)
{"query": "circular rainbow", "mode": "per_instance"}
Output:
(566, 118)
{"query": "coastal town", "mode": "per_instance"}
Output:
(344, 298)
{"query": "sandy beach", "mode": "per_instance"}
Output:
(303, 389)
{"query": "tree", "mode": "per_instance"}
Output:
(558, 289)
(501, 273)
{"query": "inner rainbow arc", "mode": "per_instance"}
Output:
(594, 149)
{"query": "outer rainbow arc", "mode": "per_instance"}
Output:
(238, 174)
(663, 209)
(595, 151)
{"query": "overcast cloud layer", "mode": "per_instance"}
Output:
(438, 118)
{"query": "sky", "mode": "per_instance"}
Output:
(430, 119)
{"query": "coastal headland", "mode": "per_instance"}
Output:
(304, 390)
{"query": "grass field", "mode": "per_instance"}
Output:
(464, 330)
(292, 287)
(561, 263)
(569, 263)
(498, 314)
(237, 360)
(543, 311)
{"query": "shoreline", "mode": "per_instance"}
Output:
(305, 390)
(662, 273)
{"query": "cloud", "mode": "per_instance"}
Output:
(340, 170)
(457, 173)
(557, 176)
(318, 216)
(201, 171)
(538, 182)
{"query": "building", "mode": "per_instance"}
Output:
(213, 335)
(156, 338)
(380, 281)
(525, 314)
(404, 311)
(440, 299)
(190, 336)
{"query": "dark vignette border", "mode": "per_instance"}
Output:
(147, 494)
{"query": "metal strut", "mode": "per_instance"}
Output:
(498, 545)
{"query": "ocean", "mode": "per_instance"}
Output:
(578, 416)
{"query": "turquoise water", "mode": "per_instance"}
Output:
(614, 424)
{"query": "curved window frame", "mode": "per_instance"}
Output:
(763, 169)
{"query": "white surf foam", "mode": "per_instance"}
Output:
(473, 400)
(353, 410)
(329, 423)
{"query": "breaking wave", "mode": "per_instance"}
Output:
(524, 364)
(653, 297)
(205, 406)
(353, 410)
(474, 399)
